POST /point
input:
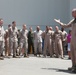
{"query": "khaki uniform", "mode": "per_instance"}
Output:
(47, 36)
(64, 42)
(2, 32)
(24, 42)
(7, 44)
(72, 24)
(58, 43)
(53, 43)
(37, 42)
(13, 40)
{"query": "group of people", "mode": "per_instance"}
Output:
(22, 42)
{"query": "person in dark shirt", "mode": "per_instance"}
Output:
(30, 41)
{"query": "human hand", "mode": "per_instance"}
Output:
(58, 21)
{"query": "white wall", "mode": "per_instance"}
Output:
(72, 5)
(34, 12)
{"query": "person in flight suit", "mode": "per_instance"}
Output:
(72, 24)
(64, 42)
(47, 35)
(58, 42)
(53, 42)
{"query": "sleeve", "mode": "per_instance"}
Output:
(43, 35)
(17, 31)
(53, 36)
(3, 31)
(66, 25)
(20, 34)
(62, 37)
(34, 34)
(27, 34)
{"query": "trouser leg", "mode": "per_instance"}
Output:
(25, 49)
(56, 49)
(14, 48)
(60, 48)
(1, 48)
(29, 48)
(32, 47)
(50, 48)
(21, 47)
(40, 47)
(45, 48)
(10, 47)
(35, 47)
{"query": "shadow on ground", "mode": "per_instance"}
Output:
(58, 70)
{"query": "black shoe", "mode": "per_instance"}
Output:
(9, 55)
(73, 70)
(51, 56)
(26, 56)
(56, 56)
(69, 58)
(2, 55)
(44, 56)
(35, 55)
(70, 68)
(14, 56)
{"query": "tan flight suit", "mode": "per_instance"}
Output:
(72, 24)
(58, 43)
(64, 42)
(53, 43)
(47, 36)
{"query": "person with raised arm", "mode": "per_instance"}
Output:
(72, 24)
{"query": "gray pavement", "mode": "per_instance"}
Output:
(35, 66)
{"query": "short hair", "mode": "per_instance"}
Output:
(9, 25)
(74, 10)
(38, 27)
(62, 29)
(24, 24)
(1, 19)
(70, 31)
(47, 26)
(13, 22)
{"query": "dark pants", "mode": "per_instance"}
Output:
(30, 45)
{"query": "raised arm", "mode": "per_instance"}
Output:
(64, 25)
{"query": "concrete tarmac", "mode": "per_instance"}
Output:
(35, 66)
